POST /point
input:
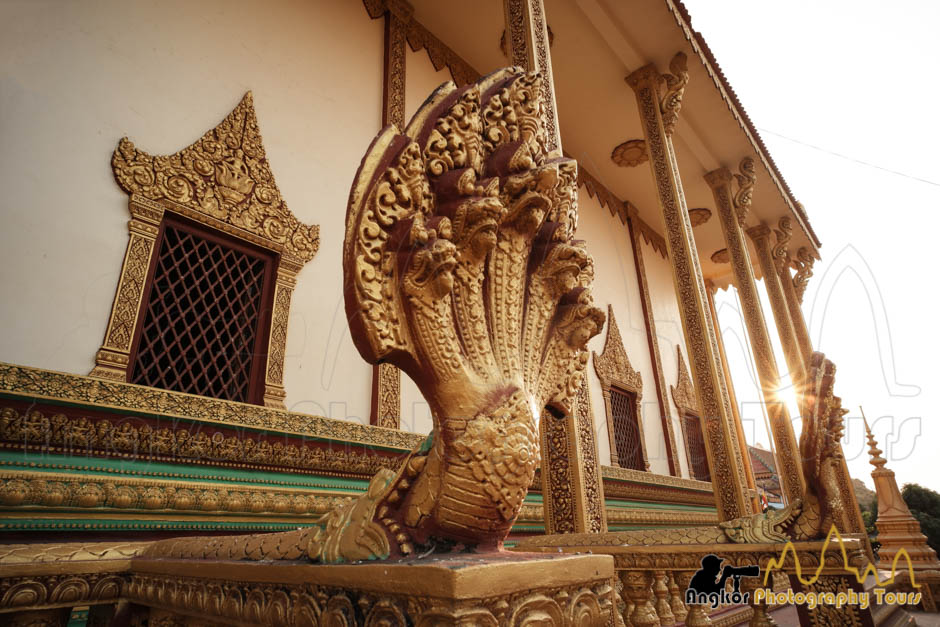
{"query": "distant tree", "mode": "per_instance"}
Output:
(869, 515)
(924, 504)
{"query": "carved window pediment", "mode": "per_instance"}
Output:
(223, 184)
(686, 400)
(683, 392)
(615, 373)
(224, 175)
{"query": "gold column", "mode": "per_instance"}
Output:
(659, 115)
(274, 393)
(732, 216)
(793, 304)
(528, 47)
(572, 488)
(742, 441)
(792, 352)
(112, 359)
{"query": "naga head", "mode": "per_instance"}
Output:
(460, 268)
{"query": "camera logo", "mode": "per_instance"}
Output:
(707, 586)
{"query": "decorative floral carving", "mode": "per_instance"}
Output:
(721, 256)
(74, 389)
(726, 455)
(745, 194)
(630, 153)
(388, 393)
(225, 175)
(804, 270)
(31, 489)
(675, 88)
(699, 216)
(780, 252)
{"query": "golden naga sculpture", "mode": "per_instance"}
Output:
(461, 269)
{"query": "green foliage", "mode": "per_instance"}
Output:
(924, 504)
(869, 515)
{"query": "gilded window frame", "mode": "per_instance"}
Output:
(223, 181)
(613, 369)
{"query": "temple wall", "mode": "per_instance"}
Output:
(669, 330)
(73, 81)
(616, 284)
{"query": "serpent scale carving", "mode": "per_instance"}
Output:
(461, 269)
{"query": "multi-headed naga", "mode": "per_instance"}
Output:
(461, 269)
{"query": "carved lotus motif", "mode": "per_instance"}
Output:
(461, 269)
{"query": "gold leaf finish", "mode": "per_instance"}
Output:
(469, 197)
(225, 175)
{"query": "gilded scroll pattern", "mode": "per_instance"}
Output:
(225, 175)
(595, 510)
(559, 484)
(121, 329)
(78, 435)
(75, 492)
(298, 604)
(388, 407)
(45, 384)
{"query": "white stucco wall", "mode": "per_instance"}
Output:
(76, 76)
(669, 331)
(616, 284)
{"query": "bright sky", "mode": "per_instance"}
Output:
(845, 97)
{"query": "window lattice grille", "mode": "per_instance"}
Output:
(626, 430)
(698, 458)
(201, 323)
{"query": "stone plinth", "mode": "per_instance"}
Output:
(455, 589)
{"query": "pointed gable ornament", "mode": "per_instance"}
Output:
(225, 176)
(683, 393)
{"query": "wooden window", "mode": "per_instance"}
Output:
(205, 317)
(627, 436)
(695, 444)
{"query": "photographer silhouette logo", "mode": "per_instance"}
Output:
(707, 586)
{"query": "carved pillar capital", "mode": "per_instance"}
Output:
(719, 177)
(646, 76)
(759, 232)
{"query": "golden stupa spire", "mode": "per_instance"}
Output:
(876, 459)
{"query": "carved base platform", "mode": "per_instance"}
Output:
(489, 589)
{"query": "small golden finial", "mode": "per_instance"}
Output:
(876, 459)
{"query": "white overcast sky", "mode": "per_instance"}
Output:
(858, 79)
